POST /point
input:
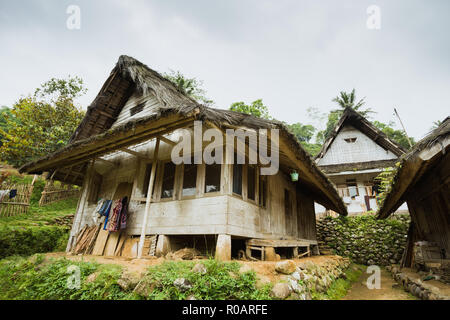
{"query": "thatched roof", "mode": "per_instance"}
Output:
(353, 118)
(95, 137)
(416, 164)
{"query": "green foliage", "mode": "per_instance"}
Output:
(339, 288)
(344, 100)
(222, 281)
(385, 180)
(189, 86)
(35, 231)
(16, 240)
(38, 279)
(312, 148)
(303, 132)
(398, 136)
(41, 123)
(256, 108)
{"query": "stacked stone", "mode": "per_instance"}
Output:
(302, 278)
(417, 287)
(374, 243)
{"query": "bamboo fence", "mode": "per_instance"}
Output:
(17, 205)
(53, 193)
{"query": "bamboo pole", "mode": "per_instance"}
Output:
(148, 200)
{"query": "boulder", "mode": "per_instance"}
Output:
(185, 254)
(182, 284)
(144, 287)
(128, 281)
(199, 268)
(285, 267)
(281, 290)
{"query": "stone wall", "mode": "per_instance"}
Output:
(364, 239)
(301, 279)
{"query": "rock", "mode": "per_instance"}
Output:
(191, 297)
(281, 290)
(295, 286)
(92, 277)
(185, 254)
(296, 275)
(262, 282)
(270, 254)
(144, 287)
(286, 266)
(199, 268)
(128, 281)
(182, 284)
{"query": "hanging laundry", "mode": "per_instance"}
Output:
(124, 213)
(104, 211)
(115, 216)
(12, 193)
(95, 213)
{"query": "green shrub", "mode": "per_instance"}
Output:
(24, 241)
(222, 281)
(37, 279)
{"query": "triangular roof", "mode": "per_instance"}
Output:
(415, 164)
(353, 118)
(95, 136)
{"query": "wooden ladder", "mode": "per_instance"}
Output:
(154, 240)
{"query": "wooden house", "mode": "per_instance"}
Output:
(423, 181)
(123, 147)
(352, 156)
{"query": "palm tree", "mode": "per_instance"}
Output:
(348, 100)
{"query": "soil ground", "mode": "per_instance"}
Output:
(389, 290)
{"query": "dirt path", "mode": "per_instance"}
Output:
(359, 290)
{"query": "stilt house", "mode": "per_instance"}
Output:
(423, 181)
(123, 148)
(352, 156)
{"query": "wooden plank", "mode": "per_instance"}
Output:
(111, 244)
(119, 247)
(100, 243)
(130, 247)
(280, 243)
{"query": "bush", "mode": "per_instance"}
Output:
(25, 241)
(221, 281)
(37, 279)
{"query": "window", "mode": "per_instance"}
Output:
(95, 188)
(189, 180)
(262, 191)
(352, 188)
(168, 180)
(350, 140)
(237, 179)
(137, 109)
(212, 177)
(251, 182)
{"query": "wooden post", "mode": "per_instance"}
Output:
(148, 200)
(80, 208)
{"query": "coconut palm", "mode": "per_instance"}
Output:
(345, 100)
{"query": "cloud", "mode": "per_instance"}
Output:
(292, 54)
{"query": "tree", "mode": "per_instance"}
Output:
(436, 124)
(398, 136)
(344, 100)
(5, 112)
(256, 108)
(189, 86)
(41, 123)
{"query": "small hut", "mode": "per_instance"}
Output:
(423, 181)
(353, 155)
(124, 148)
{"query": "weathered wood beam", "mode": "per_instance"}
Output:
(134, 153)
(149, 197)
(106, 161)
(168, 141)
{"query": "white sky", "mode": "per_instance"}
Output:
(292, 54)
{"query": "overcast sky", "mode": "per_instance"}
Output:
(292, 54)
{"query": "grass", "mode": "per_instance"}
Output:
(40, 279)
(221, 281)
(34, 231)
(37, 278)
(339, 288)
